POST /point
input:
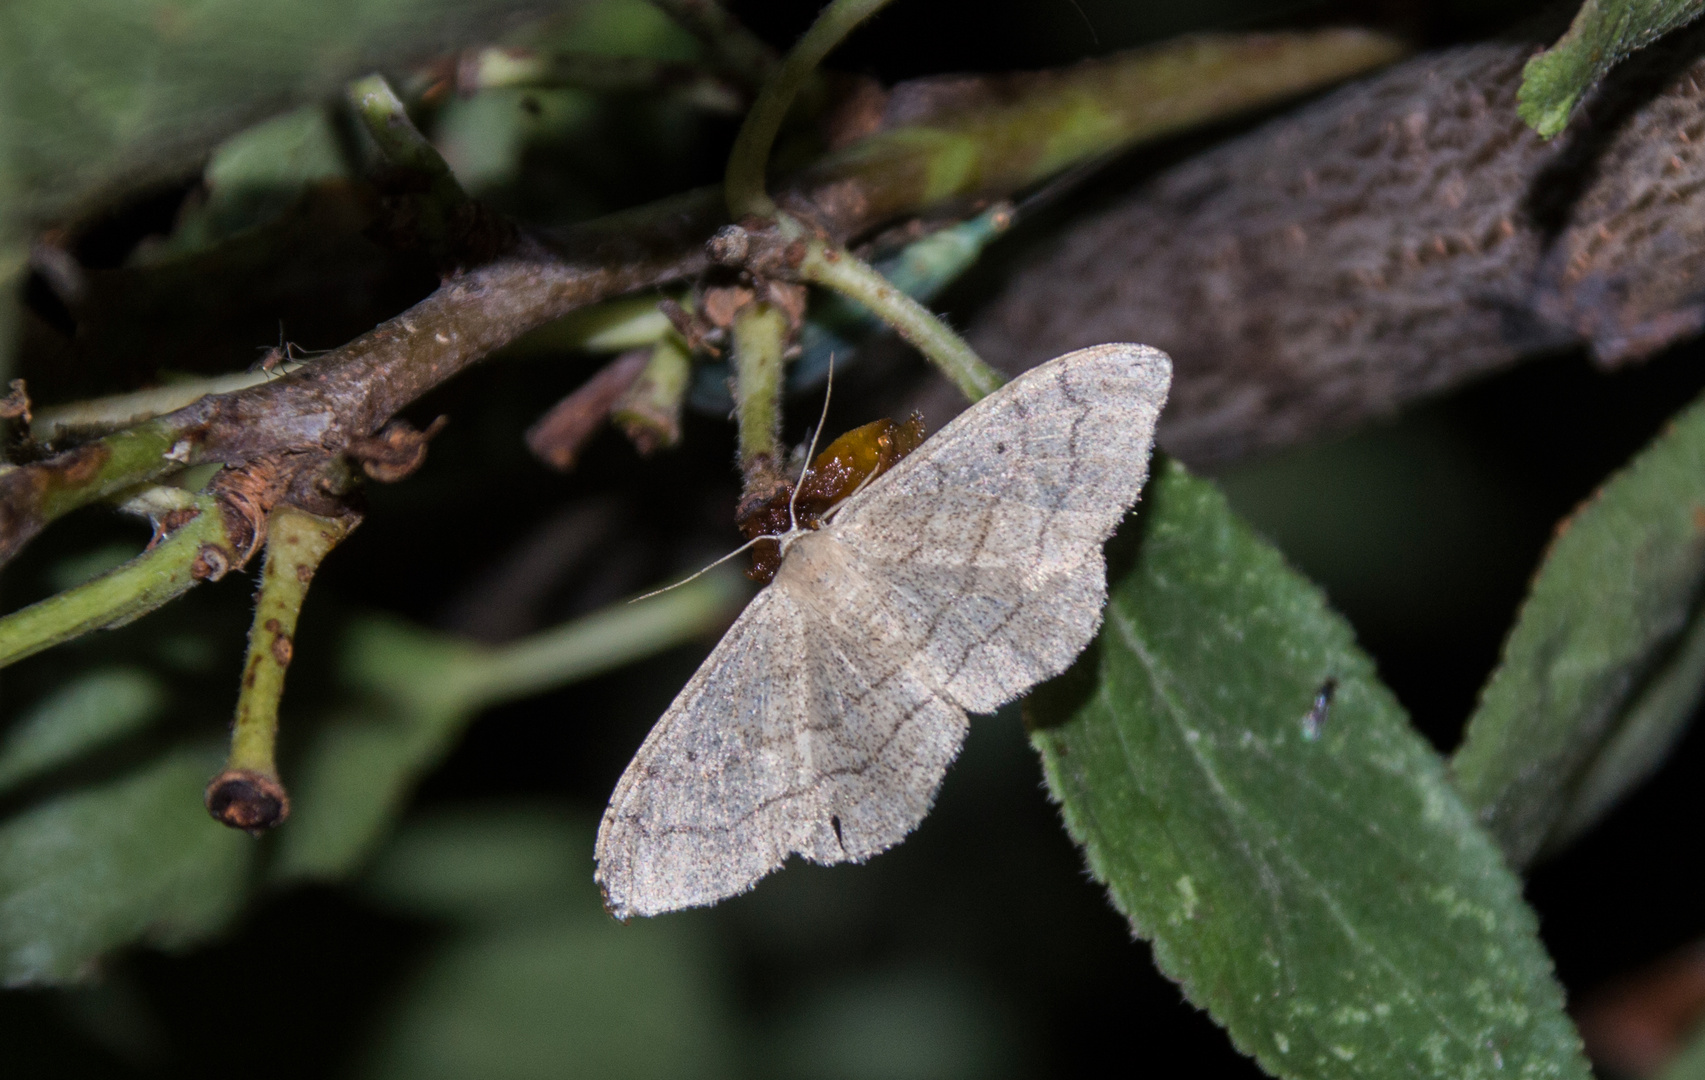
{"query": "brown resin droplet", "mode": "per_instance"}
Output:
(247, 800)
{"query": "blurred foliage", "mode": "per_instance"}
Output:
(1604, 31)
(532, 978)
(88, 118)
(253, 177)
(1259, 807)
(1605, 663)
(419, 690)
(135, 858)
(85, 713)
(95, 115)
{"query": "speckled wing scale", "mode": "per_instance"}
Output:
(824, 720)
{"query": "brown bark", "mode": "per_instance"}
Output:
(1394, 239)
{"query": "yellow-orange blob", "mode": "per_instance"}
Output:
(855, 458)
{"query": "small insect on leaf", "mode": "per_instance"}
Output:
(1314, 722)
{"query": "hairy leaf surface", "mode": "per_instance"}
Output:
(1298, 859)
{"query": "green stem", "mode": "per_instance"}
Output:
(760, 342)
(440, 218)
(162, 573)
(398, 139)
(124, 459)
(600, 641)
(247, 795)
(744, 181)
(852, 277)
(442, 682)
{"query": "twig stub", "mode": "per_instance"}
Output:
(248, 800)
(559, 436)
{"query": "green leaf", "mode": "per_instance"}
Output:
(1645, 734)
(1554, 82)
(543, 983)
(353, 784)
(95, 708)
(1601, 670)
(1308, 875)
(134, 859)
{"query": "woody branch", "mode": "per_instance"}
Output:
(998, 143)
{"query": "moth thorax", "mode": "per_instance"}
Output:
(810, 555)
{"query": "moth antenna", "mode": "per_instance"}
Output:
(822, 418)
(792, 521)
(700, 573)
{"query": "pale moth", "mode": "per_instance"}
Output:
(823, 722)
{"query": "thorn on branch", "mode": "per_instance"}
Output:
(701, 335)
(396, 451)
